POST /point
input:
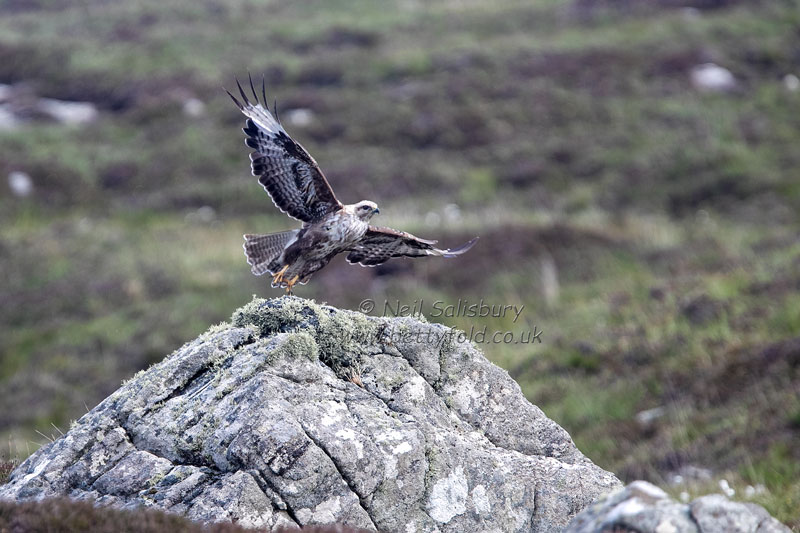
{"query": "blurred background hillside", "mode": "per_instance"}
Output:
(632, 168)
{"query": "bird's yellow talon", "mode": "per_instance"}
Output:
(278, 277)
(290, 284)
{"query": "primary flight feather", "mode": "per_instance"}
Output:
(298, 187)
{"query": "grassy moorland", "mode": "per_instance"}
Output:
(651, 230)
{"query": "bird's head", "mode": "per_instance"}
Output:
(364, 209)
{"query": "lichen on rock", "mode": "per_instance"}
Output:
(259, 422)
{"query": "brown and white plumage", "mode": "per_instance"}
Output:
(298, 188)
(379, 244)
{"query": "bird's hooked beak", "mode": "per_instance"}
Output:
(376, 211)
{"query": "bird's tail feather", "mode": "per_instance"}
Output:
(262, 251)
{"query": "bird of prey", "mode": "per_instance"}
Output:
(298, 188)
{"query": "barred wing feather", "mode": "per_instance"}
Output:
(380, 244)
(285, 169)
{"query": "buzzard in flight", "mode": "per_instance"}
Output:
(298, 188)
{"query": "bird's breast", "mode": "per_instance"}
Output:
(345, 228)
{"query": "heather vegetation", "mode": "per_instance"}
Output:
(647, 221)
(66, 516)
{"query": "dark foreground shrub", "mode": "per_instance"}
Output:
(5, 470)
(62, 515)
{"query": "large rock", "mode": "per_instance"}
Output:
(644, 508)
(297, 413)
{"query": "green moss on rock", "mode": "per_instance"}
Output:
(277, 315)
(338, 338)
(301, 344)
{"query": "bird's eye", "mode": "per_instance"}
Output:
(364, 207)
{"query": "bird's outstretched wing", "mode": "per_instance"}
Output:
(379, 245)
(283, 167)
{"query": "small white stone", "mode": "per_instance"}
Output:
(299, 117)
(20, 183)
(751, 491)
(8, 120)
(194, 107)
(712, 78)
(452, 213)
(791, 82)
(648, 416)
(71, 113)
(204, 215)
(725, 487)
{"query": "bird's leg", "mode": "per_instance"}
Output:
(290, 284)
(278, 277)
